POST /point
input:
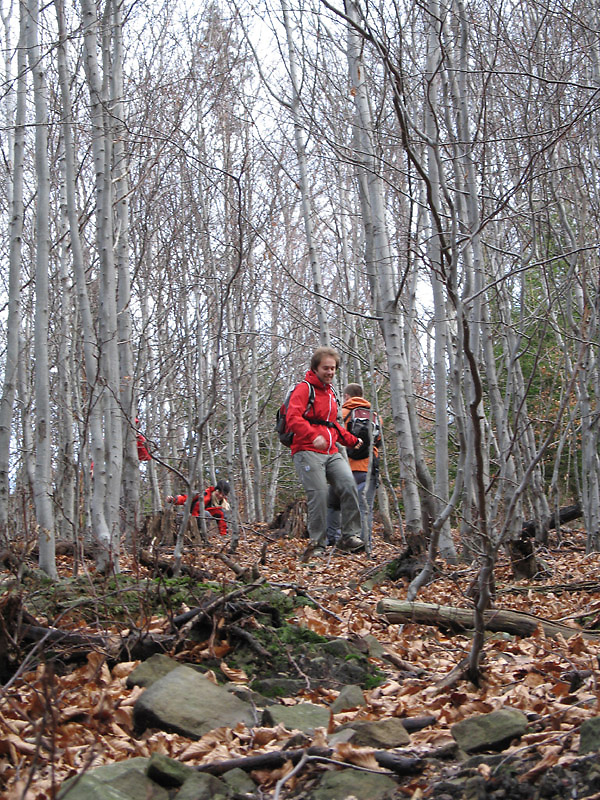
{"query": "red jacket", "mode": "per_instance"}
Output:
(325, 408)
(214, 511)
(142, 450)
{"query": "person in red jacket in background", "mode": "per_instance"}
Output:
(142, 450)
(215, 504)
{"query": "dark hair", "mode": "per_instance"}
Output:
(354, 390)
(320, 354)
(223, 486)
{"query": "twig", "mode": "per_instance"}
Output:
(206, 610)
(250, 640)
(304, 593)
(400, 765)
(282, 781)
(297, 668)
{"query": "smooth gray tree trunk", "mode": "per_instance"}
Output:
(13, 322)
(43, 488)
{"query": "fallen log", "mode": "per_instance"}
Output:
(522, 551)
(166, 566)
(553, 588)
(563, 515)
(459, 620)
(401, 765)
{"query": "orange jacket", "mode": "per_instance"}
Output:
(360, 464)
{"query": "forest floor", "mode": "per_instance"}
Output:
(55, 721)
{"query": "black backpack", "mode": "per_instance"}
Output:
(286, 436)
(363, 423)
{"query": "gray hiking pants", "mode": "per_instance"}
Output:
(316, 471)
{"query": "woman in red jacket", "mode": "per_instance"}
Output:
(215, 504)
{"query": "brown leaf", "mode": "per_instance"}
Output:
(550, 758)
(361, 756)
(234, 675)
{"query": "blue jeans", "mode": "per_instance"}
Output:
(317, 472)
(366, 500)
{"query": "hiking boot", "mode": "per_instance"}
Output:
(350, 544)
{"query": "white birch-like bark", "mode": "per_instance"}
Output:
(13, 322)
(253, 407)
(307, 212)
(108, 460)
(391, 320)
(64, 493)
(43, 442)
(233, 525)
(94, 418)
(153, 421)
(130, 491)
(440, 304)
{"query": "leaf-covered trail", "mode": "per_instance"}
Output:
(52, 726)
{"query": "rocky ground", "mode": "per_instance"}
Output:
(65, 711)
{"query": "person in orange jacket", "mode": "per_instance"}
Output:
(214, 501)
(353, 398)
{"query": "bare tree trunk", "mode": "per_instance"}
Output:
(257, 470)
(441, 308)
(108, 459)
(13, 322)
(64, 495)
(130, 489)
(234, 515)
(391, 320)
(303, 181)
(43, 479)
(89, 340)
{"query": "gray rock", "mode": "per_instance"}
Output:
(249, 696)
(109, 772)
(202, 786)
(351, 783)
(493, 731)
(340, 648)
(589, 740)
(239, 781)
(278, 686)
(167, 771)
(155, 667)
(349, 697)
(86, 787)
(123, 780)
(185, 702)
(302, 717)
(374, 646)
(383, 734)
(353, 671)
(341, 736)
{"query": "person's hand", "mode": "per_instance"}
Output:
(359, 443)
(169, 499)
(320, 442)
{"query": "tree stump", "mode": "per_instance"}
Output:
(291, 522)
(162, 529)
(410, 561)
